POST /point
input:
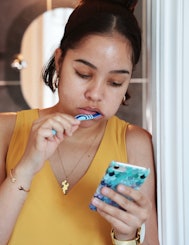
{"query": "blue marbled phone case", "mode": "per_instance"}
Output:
(120, 173)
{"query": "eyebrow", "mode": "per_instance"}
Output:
(86, 63)
(122, 71)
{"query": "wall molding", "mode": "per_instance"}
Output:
(9, 83)
(16, 83)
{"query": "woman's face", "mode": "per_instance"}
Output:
(95, 75)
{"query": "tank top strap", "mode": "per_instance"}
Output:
(24, 120)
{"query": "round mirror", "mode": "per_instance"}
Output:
(39, 42)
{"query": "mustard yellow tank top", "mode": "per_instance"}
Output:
(49, 217)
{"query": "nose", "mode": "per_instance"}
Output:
(95, 91)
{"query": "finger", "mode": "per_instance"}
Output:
(123, 200)
(58, 117)
(68, 123)
(120, 220)
(135, 195)
(58, 125)
(117, 224)
(49, 129)
(127, 198)
(127, 202)
(112, 213)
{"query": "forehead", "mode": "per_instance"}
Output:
(113, 37)
(110, 46)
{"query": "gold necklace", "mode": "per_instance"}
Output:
(65, 183)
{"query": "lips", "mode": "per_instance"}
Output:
(89, 110)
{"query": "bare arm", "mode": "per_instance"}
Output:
(142, 206)
(9, 194)
(41, 145)
(140, 152)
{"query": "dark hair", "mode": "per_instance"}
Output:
(98, 17)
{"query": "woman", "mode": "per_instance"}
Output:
(46, 151)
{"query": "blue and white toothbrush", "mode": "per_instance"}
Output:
(82, 117)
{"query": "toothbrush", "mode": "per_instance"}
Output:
(53, 131)
(84, 117)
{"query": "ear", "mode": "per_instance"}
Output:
(58, 59)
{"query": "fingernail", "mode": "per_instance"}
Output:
(95, 201)
(105, 190)
(121, 188)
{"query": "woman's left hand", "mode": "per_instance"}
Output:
(135, 211)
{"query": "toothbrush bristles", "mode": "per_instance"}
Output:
(83, 117)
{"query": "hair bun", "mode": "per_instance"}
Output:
(128, 4)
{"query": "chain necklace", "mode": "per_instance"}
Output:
(65, 183)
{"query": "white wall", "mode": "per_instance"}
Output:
(170, 116)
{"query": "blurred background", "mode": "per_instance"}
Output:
(30, 32)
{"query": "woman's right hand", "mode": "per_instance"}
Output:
(42, 143)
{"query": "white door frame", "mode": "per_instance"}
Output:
(170, 116)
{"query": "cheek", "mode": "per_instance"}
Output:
(113, 103)
(70, 93)
(118, 94)
(115, 99)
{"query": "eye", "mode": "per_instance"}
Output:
(115, 84)
(83, 75)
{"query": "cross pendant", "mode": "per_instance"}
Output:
(65, 186)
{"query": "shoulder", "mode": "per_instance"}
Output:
(139, 145)
(7, 123)
(136, 134)
(117, 123)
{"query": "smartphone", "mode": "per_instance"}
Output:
(120, 173)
